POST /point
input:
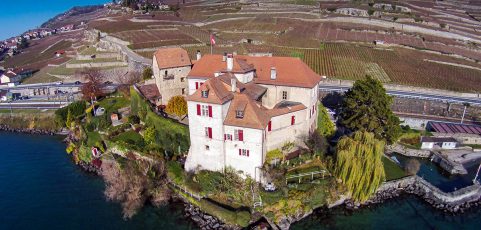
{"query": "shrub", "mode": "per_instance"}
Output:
(134, 119)
(177, 105)
(147, 73)
(76, 109)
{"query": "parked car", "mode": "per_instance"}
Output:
(78, 82)
(108, 82)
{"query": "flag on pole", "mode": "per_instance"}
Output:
(212, 39)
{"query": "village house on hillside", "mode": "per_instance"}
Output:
(9, 76)
(241, 107)
(170, 67)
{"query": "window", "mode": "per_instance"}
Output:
(205, 93)
(239, 114)
(182, 79)
(293, 120)
(269, 126)
(204, 110)
(165, 73)
(244, 152)
(238, 135)
(208, 132)
(183, 91)
(228, 137)
(284, 95)
(207, 147)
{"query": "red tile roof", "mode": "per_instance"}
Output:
(255, 115)
(172, 57)
(290, 71)
(218, 92)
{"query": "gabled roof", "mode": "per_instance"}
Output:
(290, 71)
(438, 139)
(150, 91)
(255, 115)
(251, 89)
(10, 74)
(172, 57)
(218, 92)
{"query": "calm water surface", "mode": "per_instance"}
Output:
(40, 188)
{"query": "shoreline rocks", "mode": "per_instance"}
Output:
(6, 128)
(453, 203)
(204, 221)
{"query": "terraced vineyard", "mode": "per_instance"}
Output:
(396, 65)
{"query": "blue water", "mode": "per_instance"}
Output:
(40, 188)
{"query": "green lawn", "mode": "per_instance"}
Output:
(130, 137)
(93, 138)
(113, 104)
(393, 171)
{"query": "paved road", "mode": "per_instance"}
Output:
(408, 94)
(23, 106)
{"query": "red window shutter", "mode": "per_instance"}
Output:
(210, 111)
(196, 85)
(210, 132)
(198, 109)
(241, 135)
(240, 152)
(201, 83)
(269, 126)
(247, 152)
(225, 137)
(293, 120)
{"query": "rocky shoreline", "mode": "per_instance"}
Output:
(6, 128)
(420, 190)
(204, 221)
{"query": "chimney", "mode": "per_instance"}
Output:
(273, 73)
(224, 58)
(233, 83)
(199, 55)
(230, 62)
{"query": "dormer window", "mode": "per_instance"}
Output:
(239, 114)
(205, 93)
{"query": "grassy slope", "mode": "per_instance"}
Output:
(393, 171)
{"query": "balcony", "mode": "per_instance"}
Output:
(168, 76)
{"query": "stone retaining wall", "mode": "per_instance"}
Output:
(396, 148)
(456, 201)
(95, 65)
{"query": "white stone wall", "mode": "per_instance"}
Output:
(245, 78)
(253, 141)
(306, 96)
(282, 131)
(169, 88)
(191, 84)
(212, 159)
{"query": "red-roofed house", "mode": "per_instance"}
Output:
(241, 107)
(170, 67)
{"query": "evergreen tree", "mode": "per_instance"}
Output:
(359, 164)
(69, 120)
(325, 126)
(367, 107)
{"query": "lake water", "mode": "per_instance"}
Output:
(40, 188)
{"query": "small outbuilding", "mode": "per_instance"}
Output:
(438, 142)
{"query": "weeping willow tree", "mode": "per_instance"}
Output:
(359, 164)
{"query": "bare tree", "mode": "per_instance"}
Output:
(93, 86)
